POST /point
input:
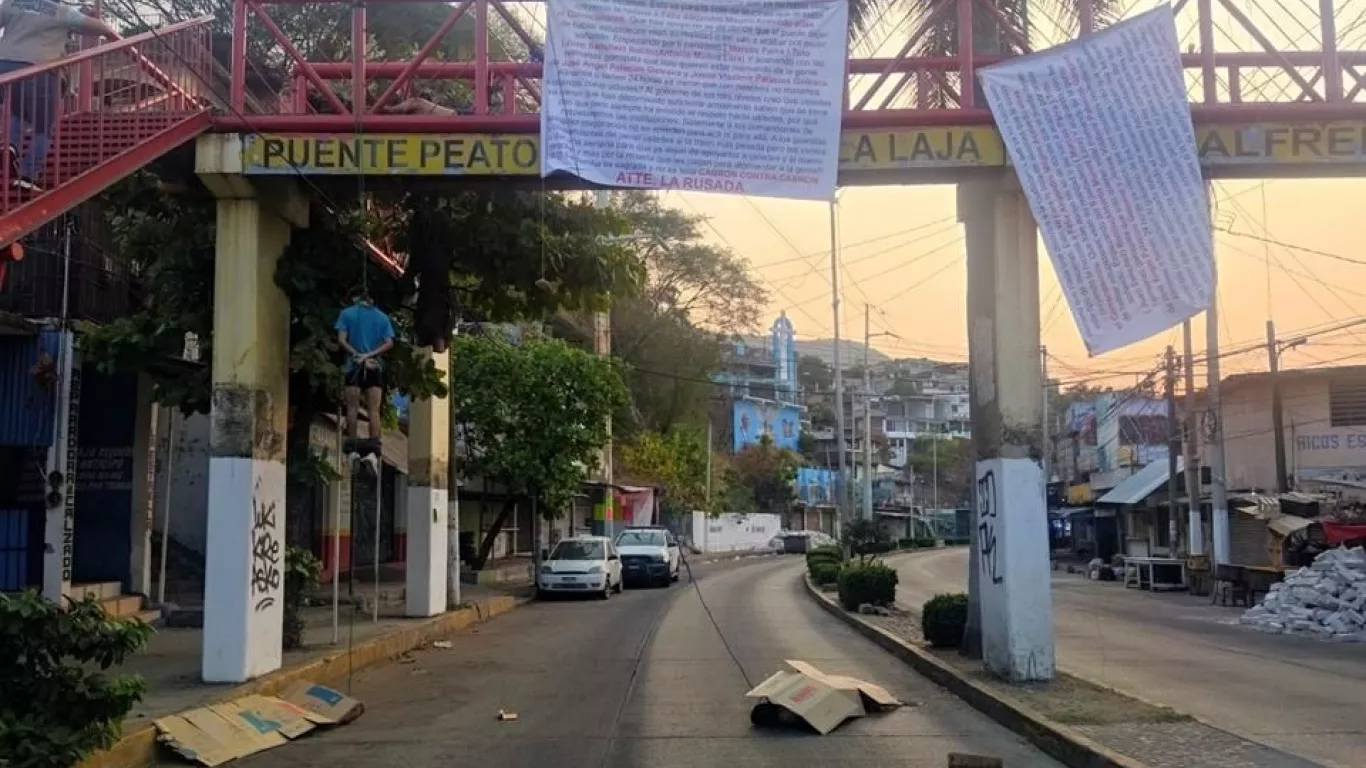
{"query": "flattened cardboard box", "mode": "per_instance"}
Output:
(220, 733)
(823, 701)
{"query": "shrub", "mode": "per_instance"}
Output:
(302, 570)
(943, 619)
(56, 703)
(874, 548)
(861, 583)
(826, 573)
(824, 555)
(925, 543)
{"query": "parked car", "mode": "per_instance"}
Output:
(583, 565)
(649, 555)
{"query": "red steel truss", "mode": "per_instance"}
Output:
(901, 91)
(124, 104)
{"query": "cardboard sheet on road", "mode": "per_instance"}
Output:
(823, 701)
(220, 733)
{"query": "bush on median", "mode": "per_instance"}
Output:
(944, 618)
(825, 574)
(823, 555)
(873, 583)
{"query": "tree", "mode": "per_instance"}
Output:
(989, 35)
(668, 333)
(955, 469)
(675, 461)
(534, 415)
(814, 375)
(762, 478)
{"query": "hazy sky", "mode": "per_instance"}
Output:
(903, 255)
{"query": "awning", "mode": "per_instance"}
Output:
(1288, 524)
(1139, 486)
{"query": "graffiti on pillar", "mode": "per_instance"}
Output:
(988, 507)
(265, 552)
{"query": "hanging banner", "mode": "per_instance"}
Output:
(1099, 131)
(738, 96)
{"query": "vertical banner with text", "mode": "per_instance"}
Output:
(1099, 131)
(738, 96)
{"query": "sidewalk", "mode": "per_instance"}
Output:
(171, 662)
(1295, 695)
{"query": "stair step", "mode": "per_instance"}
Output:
(100, 589)
(122, 606)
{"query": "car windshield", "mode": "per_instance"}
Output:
(641, 539)
(577, 550)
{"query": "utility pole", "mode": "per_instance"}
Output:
(1047, 432)
(1195, 528)
(1173, 448)
(867, 418)
(1273, 354)
(843, 503)
(1219, 488)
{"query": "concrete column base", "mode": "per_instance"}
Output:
(1017, 599)
(244, 569)
(427, 551)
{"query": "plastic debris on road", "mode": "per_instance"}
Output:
(444, 645)
(220, 733)
(806, 695)
(1326, 599)
(507, 716)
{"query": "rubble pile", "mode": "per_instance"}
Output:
(1326, 599)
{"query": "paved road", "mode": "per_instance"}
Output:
(1299, 695)
(644, 681)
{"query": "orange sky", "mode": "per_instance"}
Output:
(930, 317)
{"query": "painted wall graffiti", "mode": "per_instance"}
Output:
(988, 507)
(265, 553)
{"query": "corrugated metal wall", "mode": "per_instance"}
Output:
(25, 409)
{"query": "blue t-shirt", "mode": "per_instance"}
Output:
(366, 329)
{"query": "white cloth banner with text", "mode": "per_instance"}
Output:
(739, 96)
(1099, 131)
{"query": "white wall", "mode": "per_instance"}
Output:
(189, 472)
(731, 532)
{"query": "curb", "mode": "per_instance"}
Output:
(1064, 744)
(138, 747)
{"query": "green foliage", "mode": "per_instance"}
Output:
(57, 703)
(668, 334)
(950, 460)
(534, 414)
(867, 582)
(916, 543)
(302, 571)
(826, 573)
(865, 537)
(761, 478)
(824, 564)
(675, 461)
(943, 619)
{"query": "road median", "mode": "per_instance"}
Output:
(1064, 743)
(138, 747)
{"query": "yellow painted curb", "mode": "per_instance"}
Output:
(137, 748)
(1069, 746)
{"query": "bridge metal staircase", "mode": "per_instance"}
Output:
(112, 109)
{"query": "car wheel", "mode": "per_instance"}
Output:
(605, 593)
(541, 594)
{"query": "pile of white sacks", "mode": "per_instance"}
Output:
(1326, 599)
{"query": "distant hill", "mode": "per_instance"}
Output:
(850, 351)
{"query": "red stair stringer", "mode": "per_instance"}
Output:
(51, 203)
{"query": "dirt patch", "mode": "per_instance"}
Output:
(1066, 699)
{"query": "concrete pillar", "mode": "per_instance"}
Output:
(145, 435)
(1010, 519)
(426, 506)
(60, 522)
(245, 551)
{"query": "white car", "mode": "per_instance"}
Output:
(650, 555)
(583, 564)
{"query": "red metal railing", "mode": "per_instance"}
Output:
(1273, 82)
(104, 111)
